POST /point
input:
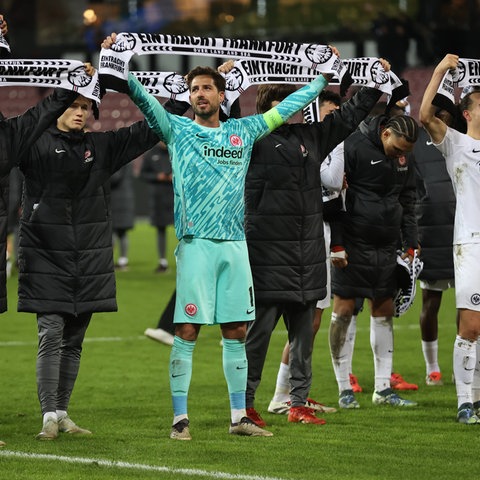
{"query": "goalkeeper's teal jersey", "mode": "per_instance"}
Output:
(209, 165)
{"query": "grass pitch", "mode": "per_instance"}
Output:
(122, 395)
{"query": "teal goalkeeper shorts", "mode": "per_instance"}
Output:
(214, 282)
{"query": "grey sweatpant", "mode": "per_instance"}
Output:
(60, 338)
(298, 319)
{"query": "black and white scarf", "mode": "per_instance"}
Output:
(246, 72)
(320, 58)
(67, 74)
(466, 77)
(4, 44)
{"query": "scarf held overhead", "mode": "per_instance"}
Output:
(67, 74)
(466, 76)
(246, 72)
(320, 58)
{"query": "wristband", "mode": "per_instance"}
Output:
(339, 254)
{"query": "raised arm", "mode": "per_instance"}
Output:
(434, 125)
(287, 108)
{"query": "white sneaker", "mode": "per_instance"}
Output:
(49, 430)
(389, 397)
(159, 335)
(248, 428)
(280, 408)
(67, 425)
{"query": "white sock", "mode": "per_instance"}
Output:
(381, 341)
(237, 414)
(476, 377)
(430, 354)
(122, 261)
(340, 350)
(351, 334)
(282, 387)
(49, 415)
(464, 362)
(61, 414)
(177, 418)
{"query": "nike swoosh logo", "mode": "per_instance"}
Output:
(241, 368)
(250, 311)
(59, 151)
(475, 151)
(278, 145)
(374, 162)
(179, 375)
(428, 143)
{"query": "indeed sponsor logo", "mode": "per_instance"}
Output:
(222, 152)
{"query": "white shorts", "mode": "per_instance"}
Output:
(466, 259)
(325, 302)
(437, 285)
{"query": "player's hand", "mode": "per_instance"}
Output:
(449, 62)
(3, 26)
(226, 67)
(385, 64)
(109, 41)
(339, 257)
(89, 69)
(335, 50)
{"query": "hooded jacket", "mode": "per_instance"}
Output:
(283, 203)
(65, 244)
(381, 194)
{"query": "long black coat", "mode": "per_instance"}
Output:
(435, 210)
(65, 252)
(16, 136)
(283, 203)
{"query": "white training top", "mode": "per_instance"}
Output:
(462, 156)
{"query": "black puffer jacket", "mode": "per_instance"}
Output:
(380, 211)
(380, 198)
(435, 210)
(16, 135)
(65, 254)
(283, 203)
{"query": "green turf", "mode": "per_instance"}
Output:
(122, 395)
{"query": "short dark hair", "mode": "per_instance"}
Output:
(218, 79)
(403, 126)
(329, 96)
(466, 102)
(268, 93)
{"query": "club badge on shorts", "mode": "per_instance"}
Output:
(191, 309)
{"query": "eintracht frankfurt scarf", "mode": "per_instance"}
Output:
(67, 74)
(114, 61)
(367, 72)
(364, 71)
(465, 76)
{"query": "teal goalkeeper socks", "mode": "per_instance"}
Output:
(180, 370)
(235, 371)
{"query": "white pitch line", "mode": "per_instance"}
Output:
(133, 466)
(13, 343)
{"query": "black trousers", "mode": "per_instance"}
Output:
(298, 319)
(60, 339)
